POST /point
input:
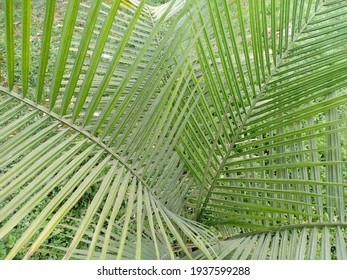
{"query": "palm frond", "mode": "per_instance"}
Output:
(112, 151)
(296, 242)
(268, 152)
(259, 164)
(159, 123)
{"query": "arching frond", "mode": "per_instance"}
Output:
(160, 125)
(98, 133)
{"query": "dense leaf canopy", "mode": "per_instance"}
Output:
(199, 129)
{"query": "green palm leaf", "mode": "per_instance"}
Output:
(52, 162)
(269, 152)
(145, 131)
(298, 242)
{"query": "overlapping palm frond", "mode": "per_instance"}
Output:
(267, 147)
(300, 242)
(97, 131)
(156, 123)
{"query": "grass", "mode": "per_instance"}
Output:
(157, 2)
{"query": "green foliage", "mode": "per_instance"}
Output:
(156, 2)
(194, 129)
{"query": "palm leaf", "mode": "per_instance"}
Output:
(56, 158)
(297, 242)
(157, 123)
(269, 152)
